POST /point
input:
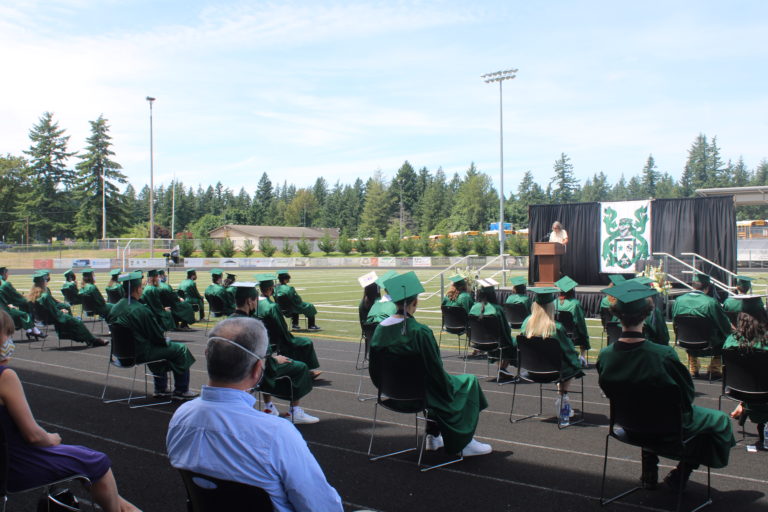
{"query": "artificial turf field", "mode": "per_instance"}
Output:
(534, 465)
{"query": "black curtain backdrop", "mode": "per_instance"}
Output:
(702, 225)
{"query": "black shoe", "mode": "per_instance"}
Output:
(313, 328)
(98, 342)
(295, 327)
(675, 476)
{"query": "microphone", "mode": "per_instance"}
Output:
(545, 238)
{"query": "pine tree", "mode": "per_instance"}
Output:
(434, 203)
(473, 205)
(596, 189)
(650, 177)
(47, 203)
(375, 215)
(97, 174)
(12, 185)
(405, 193)
(261, 207)
(564, 184)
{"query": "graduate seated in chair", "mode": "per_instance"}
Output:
(182, 312)
(152, 298)
(293, 303)
(751, 334)
(370, 295)
(519, 293)
(634, 360)
(22, 318)
(276, 366)
(69, 289)
(188, 289)
(743, 287)
(219, 291)
(654, 326)
(151, 343)
(699, 303)
(382, 307)
(295, 347)
(89, 290)
(486, 306)
(454, 402)
(569, 303)
(458, 293)
(114, 288)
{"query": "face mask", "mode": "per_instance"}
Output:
(7, 349)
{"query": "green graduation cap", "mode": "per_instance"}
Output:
(131, 277)
(262, 278)
(518, 281)
(641, 280)
(114, 272)
(216, 271)
(616, 278)
(630, 296)
(404, 286)
(245, 290)
(39, 276)
(456, 279)
(86, 270)
(231, 277)
(744, 282)
(702, 278)
(282, 273)
(389, 274)
(544, 294)
(152, 272)
(161, 271)
(191, 271)
(69, 273)
(566, 284)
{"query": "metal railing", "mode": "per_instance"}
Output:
(692, 269)
(727, 272)
(441, 275)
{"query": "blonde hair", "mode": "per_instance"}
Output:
(455, 290)
(542, 321)
(6, 324)
(34, 293)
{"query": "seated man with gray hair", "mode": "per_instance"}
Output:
(221, 435)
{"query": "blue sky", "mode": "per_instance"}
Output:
(302, 89)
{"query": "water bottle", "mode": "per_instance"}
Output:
(565, 413)
(765, 436)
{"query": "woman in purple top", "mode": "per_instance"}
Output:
(36, 457)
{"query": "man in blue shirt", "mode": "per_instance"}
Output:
(221, 435)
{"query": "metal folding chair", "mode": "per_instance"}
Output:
(209, 494)
(744, 379)
(454, 321)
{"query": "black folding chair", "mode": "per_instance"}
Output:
(123, 355)
(215, 308)
(613, 331)
(48, 488)
(43, 316)
(692, 333)
(400, 381)
(485, 336)
(566, 320)
(516, 314)
(363, 351)
(455, 321)
(208, 494)
(745, 379)
(539, 361)
(283, 302)
(89, 310)
(651, 419)
(70, 295)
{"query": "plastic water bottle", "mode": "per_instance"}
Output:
(765, 436)
(565, 412)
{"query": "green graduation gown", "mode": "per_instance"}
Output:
(9, 295)
(181, 311)
(151, 296)
(21, 319)
(380, 310)
(295, 347)
(519, 298)
(756, 412)
(227, 300)
(652, 365)
(508, 344)
(189, 292)
(294, 302)
(731, 305)
(464, 300)
(453, 401)
(569, 364)
(301, 381)
(116, 290)
(66, 325)
(151, 343)
(698, 304)
(654, 326)
(70, 292)
(573, 306)
(91, 291)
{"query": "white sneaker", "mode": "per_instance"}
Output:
(583, 361)
(434, 442)
(476, 448)
(271, 408)
(301, 418)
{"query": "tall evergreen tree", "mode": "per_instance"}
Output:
(564, 185)
(378, 201)
(434, 203)
(12, 185)
(650, 177)
(47, 204)
(474, 205)
(596, 189)
(98, 174)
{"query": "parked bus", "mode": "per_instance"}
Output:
(748, 229)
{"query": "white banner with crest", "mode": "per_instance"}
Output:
(625, 235)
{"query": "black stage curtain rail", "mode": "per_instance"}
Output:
(581, 220)
(702, 225)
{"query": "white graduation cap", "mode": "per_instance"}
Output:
(367, 279)
(487, 282)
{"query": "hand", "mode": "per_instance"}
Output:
(54, 439)
(66, 311)
(281, 359)
(167, 308)
(12, 306)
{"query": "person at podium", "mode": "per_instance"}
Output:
(558, 234)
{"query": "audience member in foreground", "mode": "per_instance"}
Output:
(221, 435)
(36, 457)
(454, 402)
(751, 334)
(635, 361)
(276, 367)
(151, 343)
(542, 324)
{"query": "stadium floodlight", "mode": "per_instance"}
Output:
(150, 99)
(500, 76)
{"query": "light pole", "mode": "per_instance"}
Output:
(150, 99)
(173, 207)
(103, 203)
(500, 76)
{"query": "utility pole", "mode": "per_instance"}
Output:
(151, 184)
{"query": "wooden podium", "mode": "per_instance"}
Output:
(549, 262)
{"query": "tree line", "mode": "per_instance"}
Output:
(50, 192)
